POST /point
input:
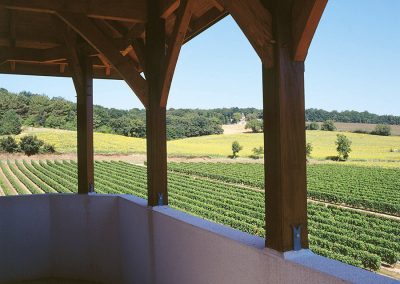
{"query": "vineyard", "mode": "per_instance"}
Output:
(372, 188)
(215, 192)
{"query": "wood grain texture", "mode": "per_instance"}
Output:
(123, 65)
(155, 114)
(174, 47)
(256, 23)
(82, 76)
(123, 10)
(284, 137)
(306, 15)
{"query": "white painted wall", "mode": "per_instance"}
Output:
(118, 239)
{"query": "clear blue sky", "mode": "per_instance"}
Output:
(353, 63)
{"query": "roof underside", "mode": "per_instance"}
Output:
(32, 40)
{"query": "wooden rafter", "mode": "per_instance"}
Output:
(306, 15)
(106, 64)
(123, 65)
(70, 39)
(121, 10)
(178, 35)
(169, 8)
(138, 48)
(256, 23)
(51, 69)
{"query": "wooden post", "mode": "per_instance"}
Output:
(284, 137)
(155, 111)
(85, 128)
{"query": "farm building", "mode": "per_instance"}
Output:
(94, 238)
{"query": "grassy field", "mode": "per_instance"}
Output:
(365, 147)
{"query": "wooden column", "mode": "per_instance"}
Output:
(155, 111)
(284, 136)
(85, 128)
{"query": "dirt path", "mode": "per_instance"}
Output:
(1, 192)
(26, 190)
(356, 209)
(30, 182)
(7, 182)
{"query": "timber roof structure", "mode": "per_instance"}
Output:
(32, 33)
(139, 41)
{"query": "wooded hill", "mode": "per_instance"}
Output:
(41, 111)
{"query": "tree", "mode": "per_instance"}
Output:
(48, 148)
(257, 152)
(30, 145)
(343, 147)
(312, 126)
(382, 130)
(236, 148)
(309, 149)
(8, 145)
(10, 123)
(255, 125)
(328, 125)
(236, 117)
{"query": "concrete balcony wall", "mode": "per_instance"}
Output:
(118, 239)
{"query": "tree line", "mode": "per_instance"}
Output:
(320, 115)
(28, 109)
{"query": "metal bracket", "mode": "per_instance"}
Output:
(296, 237)
(160, 199)
(91, 188)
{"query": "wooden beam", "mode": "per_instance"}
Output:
(120, 10)
(106, 64)
(169, 7)
(199, 25)
(218, 5)
(174, 47)
(52, 69)
(256, 23)
(306, 15)
(139, 49)
(85, 129)
(155, 113)
(82, 76)
(20, 54)
(284, 137)
(123, 65)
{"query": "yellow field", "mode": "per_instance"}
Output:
(65, 141)
(365, 147)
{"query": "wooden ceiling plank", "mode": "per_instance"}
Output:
(121, 10)
(20, 54)
(123, 65)
(13, 29)
(256, 23)
(305, 18)
(174, 47)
